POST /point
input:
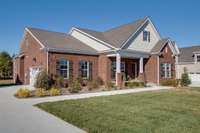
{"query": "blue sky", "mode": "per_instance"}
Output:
(177, 19)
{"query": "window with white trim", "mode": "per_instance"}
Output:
(198, 58)
(146, 36)
(63, 68)
(84, 69)
(166, 70)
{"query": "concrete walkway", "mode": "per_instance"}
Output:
(20, 116)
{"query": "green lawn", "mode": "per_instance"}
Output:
(168, 111)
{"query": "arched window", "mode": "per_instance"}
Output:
(63, 68)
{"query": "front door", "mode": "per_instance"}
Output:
(134, 70)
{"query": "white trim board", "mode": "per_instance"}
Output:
(42, 45)
(90, 36)
(150, 22)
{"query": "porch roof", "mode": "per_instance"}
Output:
(126, 53)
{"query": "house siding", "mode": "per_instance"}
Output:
(191, 68)
(139, 45)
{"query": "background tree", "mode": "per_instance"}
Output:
(5, 65)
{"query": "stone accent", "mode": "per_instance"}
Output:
(119, 81)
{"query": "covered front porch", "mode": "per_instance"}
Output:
(127, 65)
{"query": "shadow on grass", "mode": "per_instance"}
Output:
(7, 85)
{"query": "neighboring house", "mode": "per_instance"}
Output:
(130, 51)
(189, 58)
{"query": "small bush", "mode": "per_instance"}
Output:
(132, 84)
(99, 81)
(42, 81)
(93, 84)
(110, 85)
(39, 92)
(54, 92)
(185, 80)
(170, 82)
(75, 86)
(84, 82)
(23, 92)
(59, 82)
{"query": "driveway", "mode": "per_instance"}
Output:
(20, 116)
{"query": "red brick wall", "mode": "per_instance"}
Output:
(30, 48)
(151, 65)
(168, 58)
(75, 58)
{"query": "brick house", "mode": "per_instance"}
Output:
(130, 51)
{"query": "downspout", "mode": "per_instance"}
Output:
(158, 70)
(47, 62)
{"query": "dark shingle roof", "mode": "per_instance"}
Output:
(187, 55)
(61, 41)
(116, 36)
(159, 45)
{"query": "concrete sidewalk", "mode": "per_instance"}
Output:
(95, 94)
(20, 116)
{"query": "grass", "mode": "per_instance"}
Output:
(172, 111)
(7, 82)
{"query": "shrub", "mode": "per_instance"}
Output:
(42, 81)
(59, 82)
(23, 92)
(75, 86)
(99, 81)
(110, 85)
(170, 82)
(185, 80)
(132, 84)
(39, 92)
(54, 92)
(93, 84)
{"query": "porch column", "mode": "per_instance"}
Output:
(118, 70)
(141, 69)
(141, 65)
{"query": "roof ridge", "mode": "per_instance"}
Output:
(122, 25)
(80, 28)
(190, 46)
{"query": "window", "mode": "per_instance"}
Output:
(113, 69)
(166, 49)
(63, 68)
(198, 58)
(166, 70)
(146, 36)
(84, 69)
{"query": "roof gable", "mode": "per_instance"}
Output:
(136, 41)
(162, 43)
(116, 36)
(57, 41)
